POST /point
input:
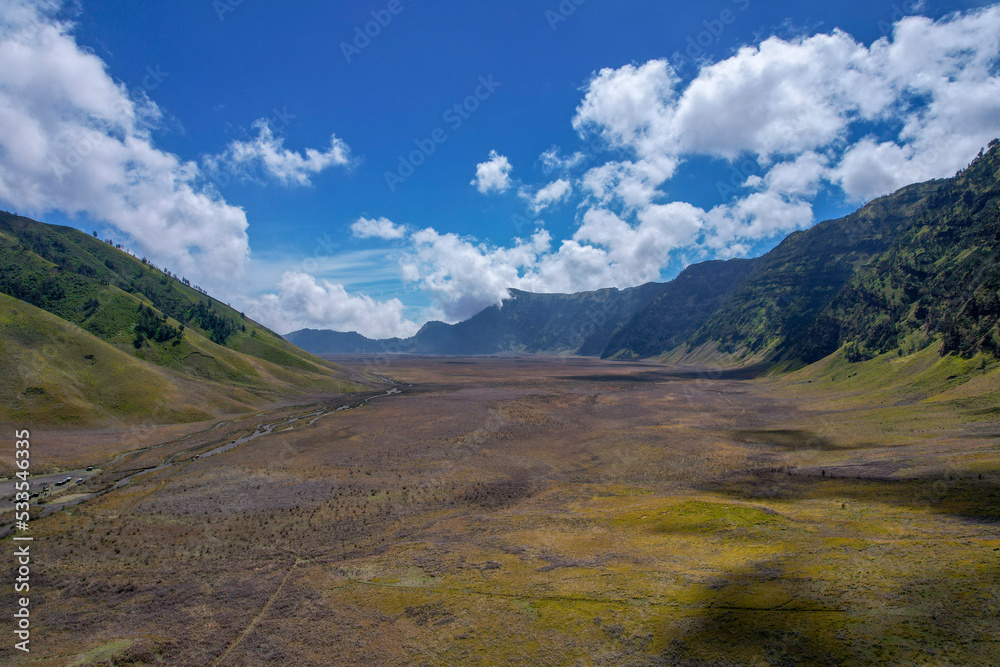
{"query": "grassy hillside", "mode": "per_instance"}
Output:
(906, 270)
(923, 396)
(53, 372)
(940, 278)
(792, 284)
(151, 327)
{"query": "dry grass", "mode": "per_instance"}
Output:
(542, 511)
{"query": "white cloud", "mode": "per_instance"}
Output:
(799, 177)
(493, 175)
(381, 228)
(634, 184)
(552, 160)
(638, 253)
(778, 98)
(266, 155)
(631, 107)
(732, 228)
(790, 107)
(952, 66)
(465, 277)
(549, 195)
(73, 140)
(303, 302)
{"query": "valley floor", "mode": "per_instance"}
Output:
(534, 511)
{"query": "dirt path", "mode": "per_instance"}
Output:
(258, 618)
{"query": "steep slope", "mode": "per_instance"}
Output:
(683, 306)
(53, 372)
(899, 273)
(149, 316)
(790, 285)
(939, 278)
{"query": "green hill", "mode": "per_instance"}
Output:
(789, 286)
(906, 270)
(123, 323)
(940, 278)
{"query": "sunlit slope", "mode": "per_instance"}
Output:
(921, 378)
(53, 372)
(162, 332)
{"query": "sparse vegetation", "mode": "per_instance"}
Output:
(559, 511)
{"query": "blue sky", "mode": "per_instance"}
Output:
(265, 150)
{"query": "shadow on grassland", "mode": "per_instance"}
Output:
(969, 497)
(758, 615)
(761, 615)
(675, 374)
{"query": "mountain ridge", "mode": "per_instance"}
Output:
(841, 283)
(526, 323)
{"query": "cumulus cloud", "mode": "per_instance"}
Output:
(463, 276)
(799, 177)
(791, 106)
(549, 195)
(493, 175)
(553, 160)
(74, 140)
(302, 302)
(923, 101)
(382, 228)
(780, 97)
(265, 158)
(631, 106)
(633, 184)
